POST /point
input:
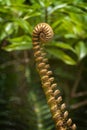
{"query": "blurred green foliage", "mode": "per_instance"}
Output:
(22, 101)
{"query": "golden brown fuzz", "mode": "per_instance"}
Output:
(43, 33)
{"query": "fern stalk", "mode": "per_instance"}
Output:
(43, 33)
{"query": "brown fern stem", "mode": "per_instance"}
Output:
(42, 33)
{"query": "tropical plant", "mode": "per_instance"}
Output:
(22, 101)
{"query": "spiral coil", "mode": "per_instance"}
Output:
(43, 33)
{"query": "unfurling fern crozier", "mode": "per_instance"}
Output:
(43, 33)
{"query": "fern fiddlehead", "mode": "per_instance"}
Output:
(42, 33)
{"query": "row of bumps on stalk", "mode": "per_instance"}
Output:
(43, 33)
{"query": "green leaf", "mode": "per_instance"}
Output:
(63, 46)
(45, 3)
(56, 23)
(5, 2)
(17, 1)
(34, 14)
(19, 43)
(81, 50)
(74, 9)
(57, 7)
(61, 55)
(24, 25)
(10, 2)
(6, 30)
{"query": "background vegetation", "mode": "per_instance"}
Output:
(22, 102)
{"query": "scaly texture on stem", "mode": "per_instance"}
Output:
(43, 33)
